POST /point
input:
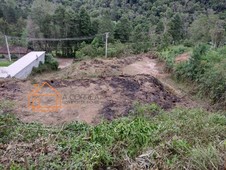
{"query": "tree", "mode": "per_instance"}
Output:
(123, 29)
(140, 33)
(176, 27)
(4, 26)
(207, 28)
(40, 9)
(95, 26)
(60, 21)
(166, 40)
(160, 27)
(217, 33)
(199, 31)
(106, 25)
(85, 23)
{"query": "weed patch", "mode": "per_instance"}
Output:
(177, 139)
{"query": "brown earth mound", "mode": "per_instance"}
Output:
(89, 99)
(98, 88)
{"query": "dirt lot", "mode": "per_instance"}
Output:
(95, 89)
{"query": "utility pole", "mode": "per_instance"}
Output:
(7, 45)
(106, 44)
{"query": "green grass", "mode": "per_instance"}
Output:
(179, 139)
(5, 63)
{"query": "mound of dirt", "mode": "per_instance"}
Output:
(100, 68)
(89, 99)
(93, 89)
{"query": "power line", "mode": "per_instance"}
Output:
(56, 39)
(60, 39)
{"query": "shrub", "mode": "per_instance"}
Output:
(50, 64)
(89, 51)
(117, 49)
(188, 43)
(14, 57)
(141, 47)
(93, 50)
(206, 69)
(169, 55)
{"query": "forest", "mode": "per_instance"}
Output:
(143, 24)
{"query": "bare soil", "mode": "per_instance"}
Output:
(182, 58)
(64, 62)
(96, 89)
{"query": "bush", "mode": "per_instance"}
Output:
(14, 57)
(141, 47)
(117, 49)
(170, 54)
(50, 64)
(206, 69)
(188, 43)
(93, 50)
(89, 51)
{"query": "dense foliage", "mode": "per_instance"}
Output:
(155, 23)
(205, 69)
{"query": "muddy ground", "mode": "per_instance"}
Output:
(95, 89)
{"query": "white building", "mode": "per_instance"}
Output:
(22, 68)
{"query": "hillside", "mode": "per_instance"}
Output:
(152, 97)
(148, 24)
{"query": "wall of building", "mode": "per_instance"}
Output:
(22, 68)
(26, 71)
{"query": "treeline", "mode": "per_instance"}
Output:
(156, 23)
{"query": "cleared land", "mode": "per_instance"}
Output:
(96, 89)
